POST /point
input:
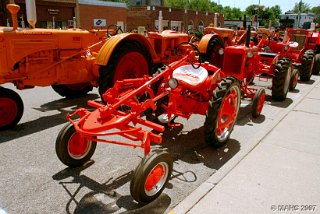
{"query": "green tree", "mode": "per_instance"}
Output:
(176, 3)
(218, 8)
(316, 11)
(265, 14)
(302, 7)
(276, 11)
(200, 5)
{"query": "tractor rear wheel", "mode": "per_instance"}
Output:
(151, 176)
(11, 108)
(281, 79)
(316, 65)
(129, 60)
(222, 112)
(72, 149)
(307, 65)
(72, 90)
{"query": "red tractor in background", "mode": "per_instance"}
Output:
(307, 55)
(219, 41)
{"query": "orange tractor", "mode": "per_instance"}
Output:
(73, 61)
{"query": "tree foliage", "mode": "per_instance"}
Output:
(263, 13)
(302, 7)
(316, 11)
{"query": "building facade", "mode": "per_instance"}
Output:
(101, 14)
(146, 18)
(296, 20)
(141, 16)
(62, 13)
(50, 13)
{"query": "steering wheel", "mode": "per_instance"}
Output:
(117, 30)
(241, 39)
(195, 51)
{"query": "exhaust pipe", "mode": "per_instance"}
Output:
(14, 9)
(31, 13)
(248, 35)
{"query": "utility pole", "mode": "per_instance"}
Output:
(299, 13)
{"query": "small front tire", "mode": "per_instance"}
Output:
(294, 79)
(257, 102)
(151, 176)
(72, 90)
(72, 149)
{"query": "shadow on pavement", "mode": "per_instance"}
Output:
(45, 122)
(310, 82)
(190, 147)
(103, 198)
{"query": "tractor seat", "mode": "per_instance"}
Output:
(190, 75)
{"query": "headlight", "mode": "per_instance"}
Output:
(221, 51)
(249, 54)
(173, 83)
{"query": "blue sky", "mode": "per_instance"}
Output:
(285, 5)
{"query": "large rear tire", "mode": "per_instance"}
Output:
(129, 60)
(151, 176)
(73, 90)
(72, 149)
(307, 65)
(222, 112)
(281, 79)
(11, 108)
(316, 65)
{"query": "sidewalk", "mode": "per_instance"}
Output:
(280, 175)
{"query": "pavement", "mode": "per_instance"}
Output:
(280, 173)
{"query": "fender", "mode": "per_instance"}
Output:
(203, 44)
(111, 44)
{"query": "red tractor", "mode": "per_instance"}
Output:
(183, 88)
(303, 56)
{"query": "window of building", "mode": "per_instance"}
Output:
(138, 2)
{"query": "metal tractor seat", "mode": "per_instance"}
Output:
(190, 76)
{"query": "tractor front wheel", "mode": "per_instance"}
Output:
(257, 102)
(294, 79)
(307, 65)
(316, 65)
(72, 149)
(72, 90)
(129, 60)
(11, 108)
(222, 112)
(281, 79)
(151, 176)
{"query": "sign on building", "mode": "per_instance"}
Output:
(99, 22)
